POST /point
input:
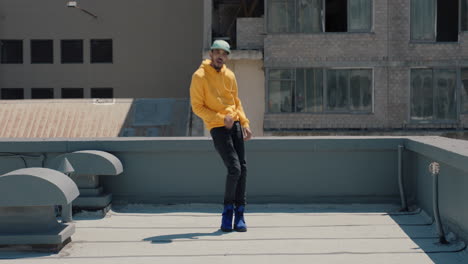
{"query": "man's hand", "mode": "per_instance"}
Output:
(228, 122)
(247, 133)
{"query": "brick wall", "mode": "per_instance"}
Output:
(387, 49)
(250, 33)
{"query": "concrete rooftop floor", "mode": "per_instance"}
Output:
(277, 234)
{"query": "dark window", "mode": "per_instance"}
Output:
(102, 93)
(101, 51)
(308, 16)
(336, 16)
(42, 93)
(12, 51)
(447, 20)
(225, 13)
(12, 93)
(435, 20)
(72, 93)
(72, 51)
(42, 51)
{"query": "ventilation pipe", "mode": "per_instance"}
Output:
(404, 205)
(434, 169)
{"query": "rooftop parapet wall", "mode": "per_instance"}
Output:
(280, 170)
(293, 169)
(452, 155)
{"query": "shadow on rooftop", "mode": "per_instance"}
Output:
(421, 229)
(24, 252)
(170, 238)
(129, 209)
(157, 117)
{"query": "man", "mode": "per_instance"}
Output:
(214, 98)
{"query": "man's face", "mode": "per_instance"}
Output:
(218, 58)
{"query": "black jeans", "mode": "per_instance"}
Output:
(230, 145)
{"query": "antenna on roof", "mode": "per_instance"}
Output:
(74, 4)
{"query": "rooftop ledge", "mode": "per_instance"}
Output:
(289, 142)
(452, 151)
(161, 144)
(328, 169)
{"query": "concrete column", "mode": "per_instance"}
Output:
(207, 17)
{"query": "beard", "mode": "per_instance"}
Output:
(217, 65)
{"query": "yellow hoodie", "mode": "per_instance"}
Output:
(214, 95)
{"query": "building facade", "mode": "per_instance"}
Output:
(366, 64)
(301, 65)
(363, 65)
(105, 48)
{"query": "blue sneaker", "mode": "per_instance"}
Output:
(226, 222)
(239, 221)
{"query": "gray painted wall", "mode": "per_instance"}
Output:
(157, 45)
(453, 180)
(301, 171)
(280, 169)
(452, 191)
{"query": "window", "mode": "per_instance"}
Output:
(101, 51)
(349, 90)
(464, 15)
(72, 93)
(12, 93)
(72, 51)
(309, 16)
(42, 51)
(336, 17)
(464, 89)
(360, 15)
(42, 93)
(360, 90)
(435, 20)
(304, 90)
(102, 93)
(312, 16)
(12, 51)
(433, 95)
(281, 85)
(281, 16)
(309, 90)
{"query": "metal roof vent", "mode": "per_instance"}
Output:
(103, 101)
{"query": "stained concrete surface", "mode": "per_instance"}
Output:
(278, 233)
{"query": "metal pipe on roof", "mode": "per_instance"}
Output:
(434, 168)
(404, 205)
